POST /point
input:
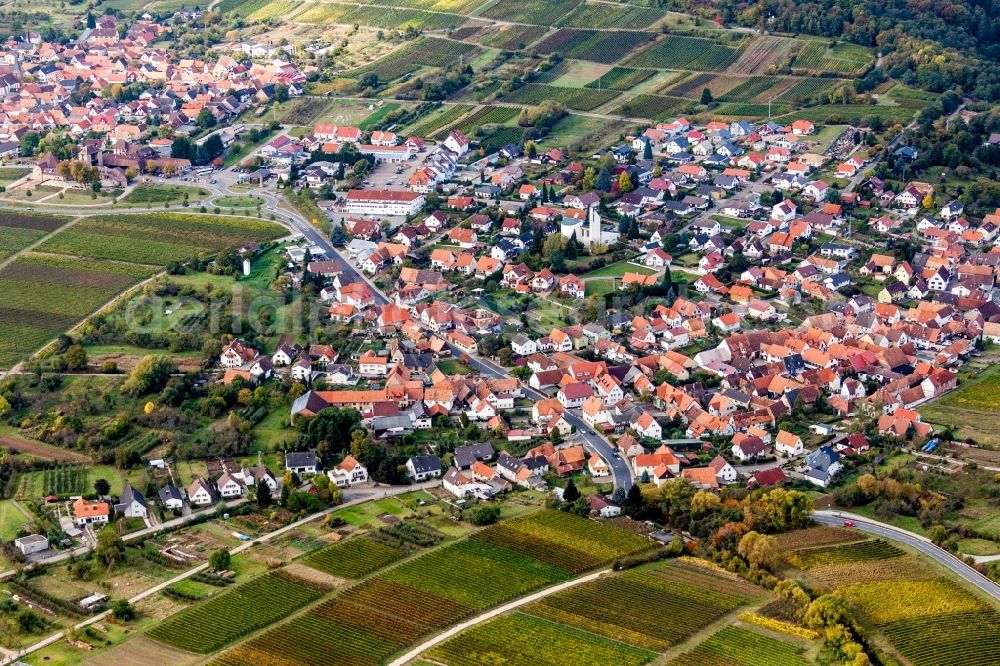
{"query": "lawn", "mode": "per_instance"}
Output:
(155, 194)
(453, 366)
(601, 287)
(619, 269)
(825, 136)
(979, 547)
(11, 520)
(731, 222)
(971, 408)
(10, 174)
(238, 202)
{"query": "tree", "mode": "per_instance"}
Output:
(102, 487)
(110, 547)
(29, 622)
(706, 96)
(759, 550)
(220, 559)
(263, 494)
(76, 358)
(4, 406)
(624, 182)
(635, 504)
(570, 493)
(647, 150)
(482, 514)
(149, 374)
(705, 502)
(205, 119)
(122, 610)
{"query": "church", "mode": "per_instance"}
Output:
(591, 233)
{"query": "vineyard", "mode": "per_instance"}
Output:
(821, 535)
(611, 16)
(503, 136)
(18, 231)
(620, 78)
(843, 58)
(750, 88)
(530, 11)
(864, 551)
(427, 51)
(432, 591)
(486, 115)
(654, 107)
(931, 620)
(652, 608)
(273, 9)
(397, 18)
(157, 238)
(581, 99)
(237, 612)
(512, 37)
(303, 110)
(733, 646)
(451, 6)
(760, 54)
(520, 640)
(354, 558)
(44, 296)
(428, 126)
(680, 52)
(324, 13)
(807, 89)
(594, 45)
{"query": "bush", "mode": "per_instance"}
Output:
(482, 514)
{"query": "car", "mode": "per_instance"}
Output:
(849, 523)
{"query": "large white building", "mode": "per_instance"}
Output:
(383, 202)
(589, 234)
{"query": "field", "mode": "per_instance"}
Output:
(760, 54)
(653, 608)
(150, 195)
(620, 78)
(19, 230)
(529, 11)
(11, 520)
(520, 640)
(580, 99)
(445, 117)
(156, 238)
(47, 295)
(354, 558)
(399, 18)
(65, 481)
(602, 15)
(427, 51)
(734, 646)
(594, 45)
(971, 408)
(512, 37)
(844, 58)
(436, 589)
(930, 619)
(680, 52)
(486, 115)
(235, 613)
(303, 110)
(10, 174)
(324, 13)
(654, 107)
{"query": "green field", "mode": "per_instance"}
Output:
(11, 520)
(619, 269)
(65, 481)
(158, 194)
(971, 408)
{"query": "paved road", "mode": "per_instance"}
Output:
(351, 498)
(923, 544)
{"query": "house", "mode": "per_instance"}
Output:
(200, 493)
(33, 543)
(462, 485)
(603, 506)
(349, 472)
(822, 465)
(229, 486)
(303, 463)
(768, 477)
(747, 448)
(171, 497)
(466, 456)
(131, 503)
(787, 443)
(421, 468)
(701, 477)
(724, 472)
(86, 512)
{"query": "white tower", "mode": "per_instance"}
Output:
(594, 222)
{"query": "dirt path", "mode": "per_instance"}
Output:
(479, 619)
(41, 450)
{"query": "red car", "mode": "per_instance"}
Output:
(848, 523)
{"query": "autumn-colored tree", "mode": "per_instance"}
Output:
(759, 550)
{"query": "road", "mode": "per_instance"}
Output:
(923, 544)
(351, 498)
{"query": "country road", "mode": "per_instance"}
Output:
(923, 544)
